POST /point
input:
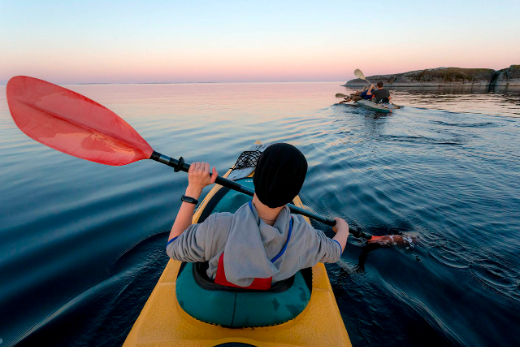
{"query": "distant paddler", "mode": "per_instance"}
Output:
(365, 94)
(353, 97)
(381, 95)
(378, 95)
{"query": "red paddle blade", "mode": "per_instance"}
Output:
(402, 241)
(73, 124)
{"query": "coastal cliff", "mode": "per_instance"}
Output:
(509, 77)
(448, 77)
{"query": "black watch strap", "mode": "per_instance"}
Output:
(189, 200)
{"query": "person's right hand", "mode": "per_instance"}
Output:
(198, 178)
(341, 225)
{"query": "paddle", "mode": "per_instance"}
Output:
(74, 124)
(359, 74)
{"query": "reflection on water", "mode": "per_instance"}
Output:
(82, 244)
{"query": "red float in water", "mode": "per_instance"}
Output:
(402, 241)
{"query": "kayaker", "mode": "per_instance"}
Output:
(381, 94)
(261, 242)
(367, 93)
(357, 95)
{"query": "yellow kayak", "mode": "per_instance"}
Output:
(164, 322)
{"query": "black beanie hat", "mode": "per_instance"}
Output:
(279, 175)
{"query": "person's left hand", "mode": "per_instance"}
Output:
(198, 178)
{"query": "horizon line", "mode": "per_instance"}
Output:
(4, 82)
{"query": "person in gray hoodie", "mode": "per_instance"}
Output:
(261, 241)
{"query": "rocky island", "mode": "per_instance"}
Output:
(452, 77)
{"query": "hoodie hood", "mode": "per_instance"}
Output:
(252, 244)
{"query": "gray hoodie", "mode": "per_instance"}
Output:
(249, 244)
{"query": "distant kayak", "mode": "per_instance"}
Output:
(186, 308)
(369, 105)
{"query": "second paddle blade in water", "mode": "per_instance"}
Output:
(71, 123)
(402, 241)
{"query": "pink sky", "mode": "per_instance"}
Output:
(136, 42)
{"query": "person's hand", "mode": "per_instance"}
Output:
(341, 226)
(198, 178)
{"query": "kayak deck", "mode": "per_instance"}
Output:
(369, 105)
(162, 321)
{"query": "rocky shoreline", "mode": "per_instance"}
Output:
(453, 77)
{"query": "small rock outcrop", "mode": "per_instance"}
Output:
(509, 77)
(447, 77)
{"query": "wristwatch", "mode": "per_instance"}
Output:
(189, 200)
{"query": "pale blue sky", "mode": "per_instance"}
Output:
(151, 41)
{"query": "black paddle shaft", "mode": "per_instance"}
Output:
(180, 165)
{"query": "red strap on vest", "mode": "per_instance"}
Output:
(258, 283)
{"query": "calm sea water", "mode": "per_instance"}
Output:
(82, 244)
